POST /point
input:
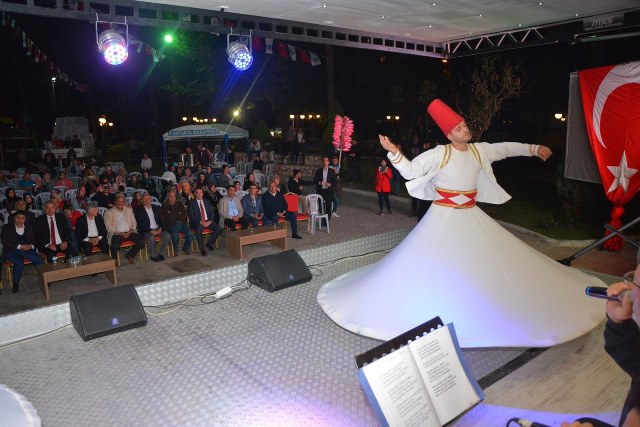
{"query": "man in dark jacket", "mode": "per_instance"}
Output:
(150, 227)
(18, 245)
(52, 233)
(275, 207)
(325, 180)
(622, 339)
(201, 217)
(91, 231)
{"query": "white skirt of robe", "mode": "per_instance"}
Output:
(463, 266)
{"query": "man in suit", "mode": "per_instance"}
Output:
(121, 225)
(18, 245)
(104, 198)
(53, 233)
(275, 207)
(91, 231)
(151, 226)
(201, 217)
(230, 208)
(325, 180)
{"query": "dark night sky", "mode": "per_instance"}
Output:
(364, 80)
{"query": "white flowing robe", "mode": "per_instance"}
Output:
(463, 266)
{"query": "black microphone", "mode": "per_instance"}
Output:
(599, 292)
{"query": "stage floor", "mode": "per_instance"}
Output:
(263, 359)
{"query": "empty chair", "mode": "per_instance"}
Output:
(42, 198)
(71, 194)
(128, 191)
(77, 181)
(315, 207)
(20, 193)
(260, 179)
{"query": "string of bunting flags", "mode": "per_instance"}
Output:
(285, 50)
(39, 56)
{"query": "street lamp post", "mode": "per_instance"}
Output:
(53, 89)
(103, 122)
(392, 119)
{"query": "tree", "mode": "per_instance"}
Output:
(492, 83)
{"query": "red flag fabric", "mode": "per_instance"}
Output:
(283, 51)
(611, 103)
(258, 43)
(304, 57)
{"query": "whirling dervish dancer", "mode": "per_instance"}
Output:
(460, 264)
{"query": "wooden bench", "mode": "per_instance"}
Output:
(276, 235)
(94, 264)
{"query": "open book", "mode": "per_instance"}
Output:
(424, 383)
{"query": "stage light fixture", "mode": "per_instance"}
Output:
(239, 52)
(113, 47)
(111, 44)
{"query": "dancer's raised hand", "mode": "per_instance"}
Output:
(387, 144)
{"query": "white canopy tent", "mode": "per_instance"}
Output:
(210, 131)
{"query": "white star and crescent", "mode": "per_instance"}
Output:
(621, 174)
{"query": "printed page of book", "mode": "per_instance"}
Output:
(445, 377)
(398, 390)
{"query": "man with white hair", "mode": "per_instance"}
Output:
(121, 226)
(91, 231)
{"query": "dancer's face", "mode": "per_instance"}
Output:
(460, 134)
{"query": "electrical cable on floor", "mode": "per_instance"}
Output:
(35, 337)
(328, 263)
(170, 307)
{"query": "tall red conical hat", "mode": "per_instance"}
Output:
(445, 117)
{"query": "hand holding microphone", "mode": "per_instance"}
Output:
(619, 305)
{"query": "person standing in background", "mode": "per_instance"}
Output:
(382, 185)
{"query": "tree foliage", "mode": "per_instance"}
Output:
(493, 82)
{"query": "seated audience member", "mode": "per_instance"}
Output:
(188, 176)
(250, 179)
(11, 198)
(176, 220)
(252, 206)
(134, 182)
(121, 225)
(225, 178)
(72, 216)
(21, 206)
(119, 184)
(214, 196)
(230, 208)
(201, 217)
(52, 233)
(39, 187)
(81, 200)
(280, 186)
(275, 207)
(237, 185)
(136, 201)
(296, 185)
(76, 168)
(146, 183)
(18, 245)
(47, 182)
(105, 198)
(257, 164)
(108, 174)
(29, 202)
(26, 183)
(64, 181)
(201, 181)
(55, 198)
(91, 231)
(150, 226)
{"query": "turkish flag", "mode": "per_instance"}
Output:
(611, 103)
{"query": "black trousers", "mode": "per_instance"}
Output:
(231, 224)
(384, 197)
(69, 252)
(116, 241)
(86, 248)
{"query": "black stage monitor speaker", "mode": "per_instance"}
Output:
(106, 312)
(278, 271)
